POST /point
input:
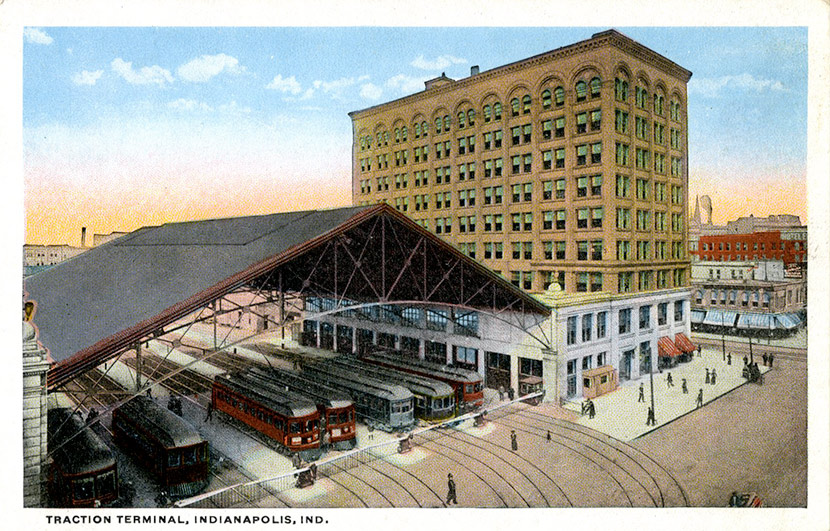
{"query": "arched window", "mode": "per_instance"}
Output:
(417, 130)
(462, 119)
(488, 114)
(424, 128)
(621, 89)
(581, 91)
(547, 100)
(526, 105)
(397, 135)
(514, 106)
(446, 123)
(497, 111)
(471, 117)
(596, 85)
(559, 96)
(438, 125)
(658, 104)
(766, 300)
(404, 133)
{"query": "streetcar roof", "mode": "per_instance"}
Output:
(328, 396)
(287, 403)
(359, 382)
(170, 429)
(84, 451)
(467, 375)
(419, 385)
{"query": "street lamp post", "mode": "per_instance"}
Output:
(723, 335)
(651, 383)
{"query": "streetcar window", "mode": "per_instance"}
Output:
(296, 427)
(344, 416)
(105, 484)
(469, 388)
(189, 455)
(420, 403)
(351, 416)
(310, 425)
(278, 424)
(333, 418)
(174, 459)
(83, 489)
(204, 453)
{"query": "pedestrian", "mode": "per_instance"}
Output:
(584, 407)
(209, 411)
(684, 387)
(91, 415)
(714, 376)
(591, 409)
(642, 397)
(669, 380)
(650, 420)
(451, 490)
(150, 392)
(765, 359)
(312, 468)
(700, 398)
(548, 435)
(729, 359)
(770, 361)
(746, 360)
(699, 350)
(501, 393)
(707, 375)
(511, 393)
(371, 432)
(514, 443)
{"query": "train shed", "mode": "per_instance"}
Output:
(339, 279)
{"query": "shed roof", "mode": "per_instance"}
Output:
(95, 305)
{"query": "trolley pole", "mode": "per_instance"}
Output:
(651, 384)
(215, 342)
(723, 337)
(138, 366)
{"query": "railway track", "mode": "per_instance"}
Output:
(651, 478)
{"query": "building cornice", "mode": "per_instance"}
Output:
(598, 40)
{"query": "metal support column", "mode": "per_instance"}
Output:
(138, 366)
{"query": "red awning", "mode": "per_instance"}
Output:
(667, 349)
(684, 343)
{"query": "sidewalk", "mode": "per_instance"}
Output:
(621, 416)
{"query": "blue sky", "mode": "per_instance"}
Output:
(258, 116)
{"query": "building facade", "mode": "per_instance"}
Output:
(567, 172)
(790, 247)
(569, 167)
(747, 297)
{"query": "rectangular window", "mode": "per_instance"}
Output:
(662, 313)
(623, 186)
(625, 320)
(587, 326)
(620, 121)
(572, 330)
(601, 324)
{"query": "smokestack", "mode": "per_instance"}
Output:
(83, 236)
(473, 70)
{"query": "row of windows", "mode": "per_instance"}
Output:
(594, 326)
(584, 154)
(586, 218)
(721, 246)
(557, 249)
(584, 90)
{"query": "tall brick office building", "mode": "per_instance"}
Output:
(568, 168)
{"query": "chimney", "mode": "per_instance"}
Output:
(83, 236)
(473, 70)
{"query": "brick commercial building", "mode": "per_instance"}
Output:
(565, 170)
(567, 167)
(789, 247)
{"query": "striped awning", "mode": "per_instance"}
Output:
(720, 318)
(758, 321)
(697, 316)
(787, 320)
(684, 343)
(666, 348)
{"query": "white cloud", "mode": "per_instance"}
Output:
(87, 77)
(183, 104)
(406, 84)
(442, 61)
(205, 67)
(712, 87)
(36, 36)
(288, 85)
(370, 91)
(145, 76)
(233, 108)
